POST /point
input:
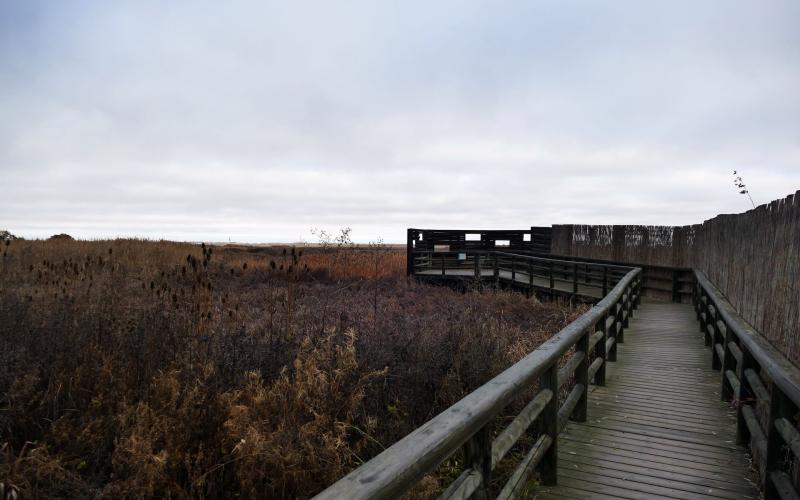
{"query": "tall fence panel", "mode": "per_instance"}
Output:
(651, 245)
(752, 257)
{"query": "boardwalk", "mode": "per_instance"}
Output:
(638, 419)
(658, 428)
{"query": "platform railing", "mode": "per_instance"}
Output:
(555, 276)
(763, 385)
(469, 424)
(658, 281)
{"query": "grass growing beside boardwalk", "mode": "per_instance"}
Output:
(155, 369)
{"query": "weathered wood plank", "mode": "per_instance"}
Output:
(657, 429)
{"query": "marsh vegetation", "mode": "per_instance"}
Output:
(143, 369)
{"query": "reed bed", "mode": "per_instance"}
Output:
(140, 369)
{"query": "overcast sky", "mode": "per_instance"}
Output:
(257, 121)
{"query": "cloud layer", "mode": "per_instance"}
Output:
(256, 121)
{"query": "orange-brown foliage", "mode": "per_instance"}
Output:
(155, 369)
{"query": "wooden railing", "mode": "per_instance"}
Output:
(469, 424)
(533, 240)
(531, 273)
(659, 282)
(763, 384)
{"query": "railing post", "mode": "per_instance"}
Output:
(676, 285)
(548, 424)
(700, 311)
(779, 407)
(582, 377)
(696, 299)
(513, 269)
(745, 391)
(444, 272)
(705, 321)
(574, 279)
(476, 259)
(716, 362)
(605, 281)
(409, 252)
(611, 355)
(726, 391)
(478, 457)
(640, 285)
(530, 275)
(496, 271)
(626, 306)
(620, 325)
(552, 279)
(600, 352)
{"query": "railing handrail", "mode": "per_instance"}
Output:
(396, 469)
(778, 367)
(523, 256)
(563, 261)
(595, 260)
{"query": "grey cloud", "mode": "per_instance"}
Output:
(258, 120)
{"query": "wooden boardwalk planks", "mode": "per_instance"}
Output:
(658, 428)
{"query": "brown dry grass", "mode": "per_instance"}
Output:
(143, 369)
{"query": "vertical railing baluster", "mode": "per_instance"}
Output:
(552, 279)
(496, 271)
(548, 424)
(676, 285)
(530, 275)
(626, 306)
(410, 264)
(716, 362)
(605, 281)
(744, 392)
(780, 406)
(478, 457)
(444, 273)
(704, 306)
(600, 351)
(574, 278)
(513, 269)
(611, 355)
(726, 390)
(582, 377)
(696, 299)
(476, 261)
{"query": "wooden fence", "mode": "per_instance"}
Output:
(754, 259)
